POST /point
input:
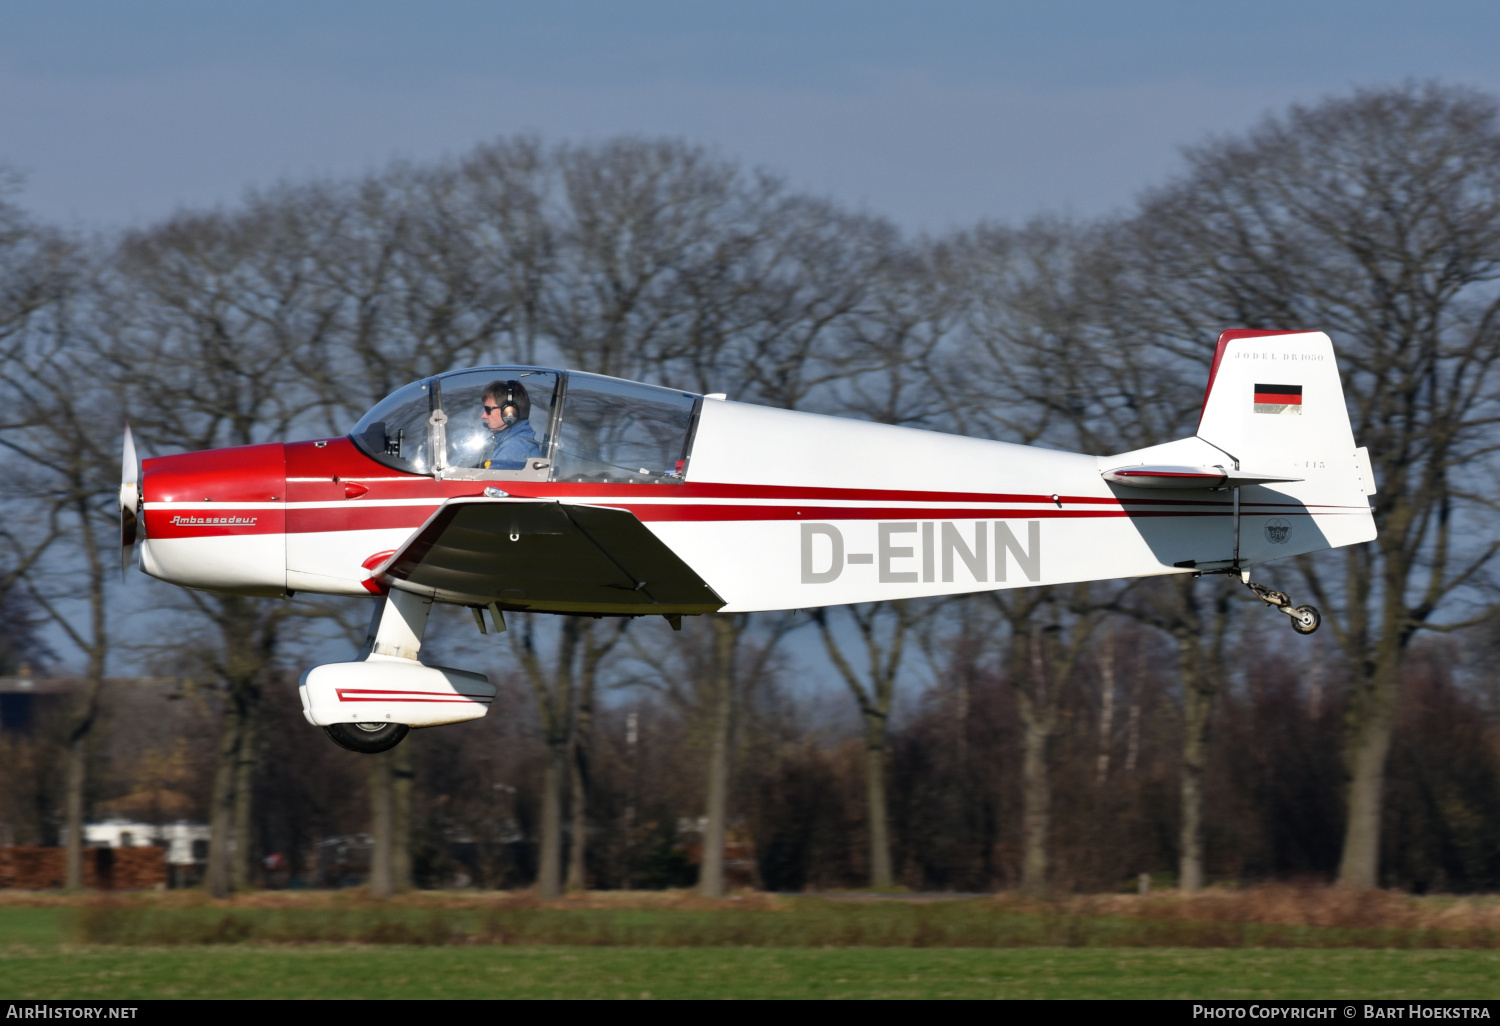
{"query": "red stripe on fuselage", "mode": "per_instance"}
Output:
(409, 518)
(412, 517)
(650, 513)
(318, 473)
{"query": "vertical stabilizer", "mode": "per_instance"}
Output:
(1275, 404)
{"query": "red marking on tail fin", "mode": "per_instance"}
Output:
(1226, 337)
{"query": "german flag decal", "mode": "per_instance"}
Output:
(1278, 399)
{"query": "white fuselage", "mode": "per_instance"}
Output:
(782, 510)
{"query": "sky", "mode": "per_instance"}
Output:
(937, 114)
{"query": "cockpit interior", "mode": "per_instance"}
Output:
(587, 428)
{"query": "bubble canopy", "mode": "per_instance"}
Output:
(533, 423)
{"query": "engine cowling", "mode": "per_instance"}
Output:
(216, 520)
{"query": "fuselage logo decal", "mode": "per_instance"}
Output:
(944, 546)
(1278, 530)
(229, 521)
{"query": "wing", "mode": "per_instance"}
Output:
(546, 557)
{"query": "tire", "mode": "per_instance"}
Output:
(367, 738)
(1307, 620)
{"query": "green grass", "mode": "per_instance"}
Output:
(808, 923)
(800, 948)
(22, 925)
(367, 971)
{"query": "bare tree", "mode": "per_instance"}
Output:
(52, 412)
(820, 275)
(581, 749)
(883, 629)
(1050, 311)
(1177, 607)
(411, 278)
(1376, 217)
(52, 405)
(382, 827)
(643, 259)
(404, 773)
(638, 218)
(711, 868)
(200, 324)
(1049, 630)
(511, 213)
(1043, 353)
(710, 674)
(889, 351)
(579, 785)
(581, 646)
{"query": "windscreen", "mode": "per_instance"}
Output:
(396, 432)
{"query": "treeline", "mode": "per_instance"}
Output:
(1071, 737)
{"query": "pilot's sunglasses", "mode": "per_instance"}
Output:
(491, 409)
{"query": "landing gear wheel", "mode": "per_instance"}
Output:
(1306, 620)
(367, 738)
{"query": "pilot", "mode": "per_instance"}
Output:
(507, 412)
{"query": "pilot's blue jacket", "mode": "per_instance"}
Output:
(513, 447)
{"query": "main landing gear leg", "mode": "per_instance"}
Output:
(397, 626)
(1305, 619)
(396, 630)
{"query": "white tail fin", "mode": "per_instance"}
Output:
(1275, 404)
(1274, 429)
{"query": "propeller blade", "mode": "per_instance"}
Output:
(129, 465)
(129, 500)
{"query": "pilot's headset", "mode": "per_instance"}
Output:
(510, 413)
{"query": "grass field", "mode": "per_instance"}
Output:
(340, 944)
(371, 971)
(788, 923)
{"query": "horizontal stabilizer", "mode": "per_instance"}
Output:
(1190, 477)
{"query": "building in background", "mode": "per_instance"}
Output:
(186, 844)
(23, 696)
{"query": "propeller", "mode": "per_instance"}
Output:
(130, 495)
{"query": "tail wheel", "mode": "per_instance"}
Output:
(367, 738)
(1306, 620)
